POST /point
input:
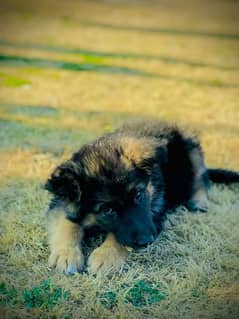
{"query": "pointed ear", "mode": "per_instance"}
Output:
(65, 182)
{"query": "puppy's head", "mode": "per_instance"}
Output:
(111, 179)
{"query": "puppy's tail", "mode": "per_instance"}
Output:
(223, 176)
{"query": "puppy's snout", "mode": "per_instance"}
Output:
(144, 241)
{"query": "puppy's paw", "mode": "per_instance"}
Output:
(69, 260)
(106, 259)
(198, 206)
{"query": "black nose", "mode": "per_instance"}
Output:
(144, 241)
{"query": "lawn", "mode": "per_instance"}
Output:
(72, 70)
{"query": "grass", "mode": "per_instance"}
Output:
(81, 77)
(45, 296)
(164, 30)
(98, 56)
(89, 67)
(140, 294)
(13, 81)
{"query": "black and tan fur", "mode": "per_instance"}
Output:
(125, 182)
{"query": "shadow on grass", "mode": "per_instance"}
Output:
(16, 133)
(98, 55)
(50, 111)
(53, 64)
(31, 110)
(19, 61)
(168, 31)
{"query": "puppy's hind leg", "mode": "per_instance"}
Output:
(200, 182)
(64, 241)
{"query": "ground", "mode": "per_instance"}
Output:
(71, 70)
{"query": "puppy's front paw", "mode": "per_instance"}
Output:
(68, 260)
(198, 206)
(105, 259)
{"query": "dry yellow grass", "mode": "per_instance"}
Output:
(188, 52)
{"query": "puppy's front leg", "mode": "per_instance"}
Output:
(109, 256)
(64, 241)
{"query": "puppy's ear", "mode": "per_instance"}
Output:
(64, 182)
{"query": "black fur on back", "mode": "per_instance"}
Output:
(177, 171)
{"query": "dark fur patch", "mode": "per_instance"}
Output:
(65, 182)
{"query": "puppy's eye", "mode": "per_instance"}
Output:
(107, 211)
(139, 196)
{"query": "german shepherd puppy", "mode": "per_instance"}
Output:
(125, 182)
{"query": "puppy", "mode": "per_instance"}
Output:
(125, 182)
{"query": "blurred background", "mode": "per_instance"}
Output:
(72, 70)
